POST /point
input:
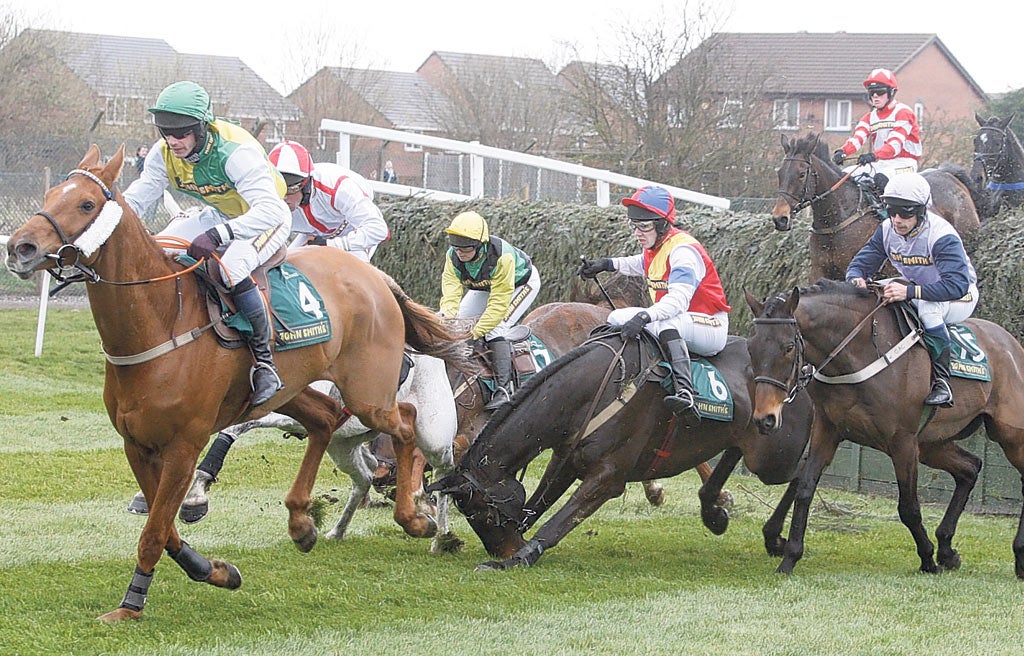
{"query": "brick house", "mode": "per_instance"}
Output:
(813, 81)
(73, 89)
(396, 100)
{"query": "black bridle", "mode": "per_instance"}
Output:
(999, 163)
(800, 375)
(805, 199)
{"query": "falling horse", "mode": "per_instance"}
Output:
(843, 220)
(598, 408)
(999, 162)
(140, 297)
(812, 337)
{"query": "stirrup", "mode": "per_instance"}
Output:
(500, 398)
(268, 387)
(940, 394)
(683, 406)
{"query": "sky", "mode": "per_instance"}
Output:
(399, 35)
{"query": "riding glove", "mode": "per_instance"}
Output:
(867, 158)
(590, 268)
(631, 329)
(839, 157)
(204, 244)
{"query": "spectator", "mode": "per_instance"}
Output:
(389, 173)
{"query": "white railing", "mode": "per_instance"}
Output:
(478, 153)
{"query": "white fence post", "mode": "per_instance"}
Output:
(476, 174)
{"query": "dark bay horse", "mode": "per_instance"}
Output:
(603, 419)
(843, 220)
(999, 163)
(166, 406)
(798, 333)
(562, 327)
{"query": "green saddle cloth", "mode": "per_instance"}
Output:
(713, 396)
(967, 360)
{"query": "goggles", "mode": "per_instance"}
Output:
(905, 211)
(177, 133)
(642, 226)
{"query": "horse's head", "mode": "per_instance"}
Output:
(776, 357)
(492, 501)
(800, 176)
(77, 216)
(991, 143)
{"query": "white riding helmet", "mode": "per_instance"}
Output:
(908, 187)
(292, 160)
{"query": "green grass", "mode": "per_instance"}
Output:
(630, 580)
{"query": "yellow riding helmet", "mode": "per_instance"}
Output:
(468, 229)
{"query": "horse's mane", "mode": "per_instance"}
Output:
(522, 394)
(822, 287)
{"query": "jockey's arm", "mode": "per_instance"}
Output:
(868, 259)
(248, 170)
(149, 188)
(503, 284)
(451, 290)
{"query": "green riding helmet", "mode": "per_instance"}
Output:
(181, 105)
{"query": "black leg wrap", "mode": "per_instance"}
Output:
(214, 459)
(135, 598)
(529, 554)
(195, 564)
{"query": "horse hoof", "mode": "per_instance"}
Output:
(447, 543)
(224, 575)
(716, 519)
(138, 506)
(119, 614)
(655, 495)
(305, 543)
(192, 514)
(950, 561)
(490, 566)
(725, 500)
(335, 534)
(428, 530)
(775, 546)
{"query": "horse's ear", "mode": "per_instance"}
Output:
(91, 158)
(785, 144)
(756, 306)
(112, 170)
(1011, 118)
(977, 117)
(793, 301)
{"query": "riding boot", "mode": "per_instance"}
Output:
(681, 401)
(263, 377)
(501, 363)
(941, 393)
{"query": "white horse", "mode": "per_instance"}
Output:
(426, 387)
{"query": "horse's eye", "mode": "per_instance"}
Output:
(88, 206)
(790, 347)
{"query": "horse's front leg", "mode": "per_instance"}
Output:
(774, 543)
(602, 483)
(356, 461)
(713, 512)
(558, 477)
(904, 454)
(823, 448)
(319, 414)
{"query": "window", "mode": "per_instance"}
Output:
(277, 132)
(730, 115)
(837, 115)
(116, 111)
(919, 112)
(675, 115)
(413, 148)
(786, 114)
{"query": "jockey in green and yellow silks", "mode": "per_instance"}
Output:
(490, 280)
(227, 169)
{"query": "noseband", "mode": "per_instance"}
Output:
(800, 375)
(803, 201)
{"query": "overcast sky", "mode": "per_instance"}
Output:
(399, 34)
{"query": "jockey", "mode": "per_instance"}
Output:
(890, 131)
(500, 284)
(330, 204)
(689, 310)
(222, 165)
(928, 253)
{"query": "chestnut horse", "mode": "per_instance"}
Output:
(797, 333)
(170, 385)
(599, 410)
(843, 221)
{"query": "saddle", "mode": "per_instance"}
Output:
(218, 297)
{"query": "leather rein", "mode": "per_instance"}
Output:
(803, 202)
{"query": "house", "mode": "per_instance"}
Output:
(70, 89)
(389, 99)
(814, 81)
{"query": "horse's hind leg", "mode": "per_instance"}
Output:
(319, 414)
(905, 454)
(964, 467)
(712, 512)
(1004, 431)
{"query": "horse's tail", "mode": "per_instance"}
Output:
(979, 195)
(427, 332)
